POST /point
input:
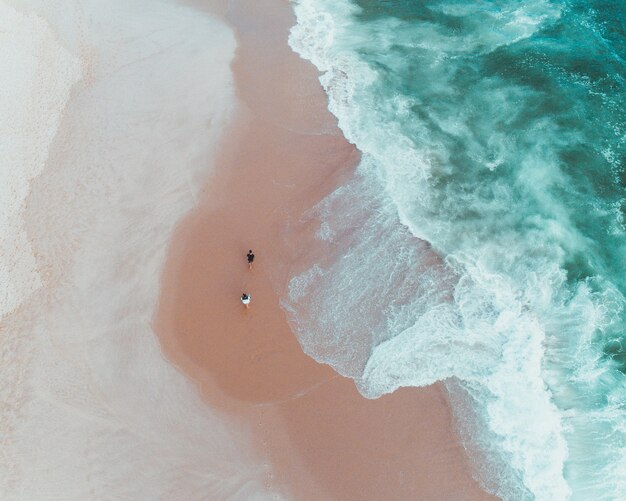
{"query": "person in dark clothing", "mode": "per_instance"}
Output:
(250, 257)
(245, 299)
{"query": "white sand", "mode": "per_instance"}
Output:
(90, 409)
(35, 81)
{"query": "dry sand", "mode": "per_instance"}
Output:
(112, 118)
(322, 438)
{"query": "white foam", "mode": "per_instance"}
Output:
(91, 410)
(488, 333)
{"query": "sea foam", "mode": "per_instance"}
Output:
(464, 158)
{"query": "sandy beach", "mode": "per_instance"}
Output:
(433, 193)
(111, 113)
(319, 436)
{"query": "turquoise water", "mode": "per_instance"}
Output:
(481, 242)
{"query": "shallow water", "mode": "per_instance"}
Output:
(482, 240)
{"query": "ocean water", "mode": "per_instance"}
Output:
(481, 240)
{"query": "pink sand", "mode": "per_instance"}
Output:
(321, 437)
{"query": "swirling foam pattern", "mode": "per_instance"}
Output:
(481, 242)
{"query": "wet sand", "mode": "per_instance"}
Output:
(284, 153)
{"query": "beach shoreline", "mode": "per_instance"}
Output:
(283, 154)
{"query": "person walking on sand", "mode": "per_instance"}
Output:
(250, 257)
(245, 299)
